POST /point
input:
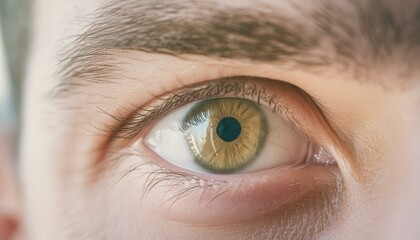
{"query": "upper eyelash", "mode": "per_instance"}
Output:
(238, 86)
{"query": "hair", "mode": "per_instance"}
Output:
(15, 16)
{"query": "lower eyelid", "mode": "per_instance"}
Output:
(181, 197)
(245, 199)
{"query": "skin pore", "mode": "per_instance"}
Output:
(351, 69)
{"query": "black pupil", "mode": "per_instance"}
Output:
(228, 129)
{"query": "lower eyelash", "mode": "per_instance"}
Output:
(179, 184)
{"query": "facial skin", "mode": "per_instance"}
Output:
(95, 64)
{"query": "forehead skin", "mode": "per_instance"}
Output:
(364, 75)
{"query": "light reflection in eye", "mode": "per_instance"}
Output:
(227, 135)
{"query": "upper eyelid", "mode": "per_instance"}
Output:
(130, 126)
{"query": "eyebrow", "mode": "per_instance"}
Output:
(355, 34)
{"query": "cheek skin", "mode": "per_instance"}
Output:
(381, 145)
(403, 183)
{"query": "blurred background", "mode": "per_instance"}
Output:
(6, 111)
(6, 116)
(7, 125)
(14, 38)
(8, 140)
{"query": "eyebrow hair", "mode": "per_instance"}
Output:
(352, 34)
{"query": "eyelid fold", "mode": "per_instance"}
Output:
(277, 98)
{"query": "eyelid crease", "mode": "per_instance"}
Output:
(238, 86)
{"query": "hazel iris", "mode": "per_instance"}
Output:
(225, 134)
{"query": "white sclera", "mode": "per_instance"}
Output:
(282, 144)
(168, 141)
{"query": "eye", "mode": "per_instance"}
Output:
(228, 150)
(227, 135)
